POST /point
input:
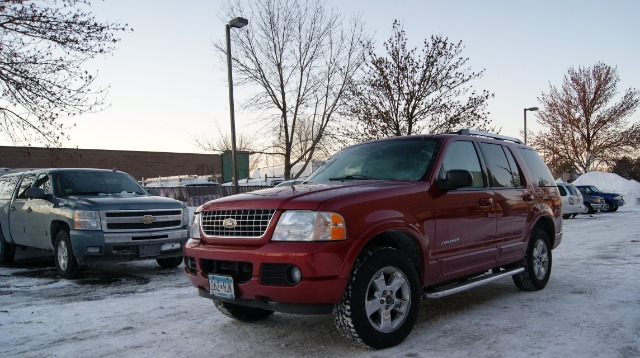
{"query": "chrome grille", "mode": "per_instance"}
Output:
(141, 220)
(239, 223)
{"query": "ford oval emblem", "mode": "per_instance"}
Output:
(229, 223)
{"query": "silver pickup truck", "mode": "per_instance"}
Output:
(89, 216)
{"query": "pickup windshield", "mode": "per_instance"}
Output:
(406, 159)
(96, 183)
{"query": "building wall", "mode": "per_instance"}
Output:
(138, 164)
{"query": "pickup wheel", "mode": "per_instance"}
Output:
(614, 208)
(607, 206)
(382, 299)
(241, 313)
(537, 263)
(7, 250)
(588, 209)
(66, 262)
(169, 262)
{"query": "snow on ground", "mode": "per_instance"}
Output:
(612, 183)
(590, 308)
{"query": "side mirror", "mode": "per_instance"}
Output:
(153, 191)
(455, 179)
(35, 193)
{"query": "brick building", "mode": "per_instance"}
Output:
(139, 164)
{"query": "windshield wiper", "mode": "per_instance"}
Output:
(353, 177)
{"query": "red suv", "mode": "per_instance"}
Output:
(378, 226)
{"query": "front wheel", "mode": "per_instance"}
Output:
(537, 263)
(66, 262)
(607, 206)
(382, 299)
(588, 209)
(169, 262)
(241, 313)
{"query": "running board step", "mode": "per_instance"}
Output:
(453, 289)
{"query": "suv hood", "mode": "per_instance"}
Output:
(122, 202)
(311, 196)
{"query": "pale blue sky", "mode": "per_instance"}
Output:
(168, 85)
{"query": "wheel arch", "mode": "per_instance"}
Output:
(402, 241)
(57, 226)
(547, 225)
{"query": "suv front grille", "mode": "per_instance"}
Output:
(236, 223)
(141, 220)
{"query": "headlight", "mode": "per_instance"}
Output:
(86, 220)
(185, 216)
(194, 230)
(306, 225)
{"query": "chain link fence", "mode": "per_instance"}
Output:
(198, 195)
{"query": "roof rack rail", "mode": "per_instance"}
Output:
(487, 134)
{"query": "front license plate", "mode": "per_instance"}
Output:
(221, 286)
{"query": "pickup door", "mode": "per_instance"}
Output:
(29, 218)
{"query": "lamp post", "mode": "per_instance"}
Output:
(238, 22)
(532, 109)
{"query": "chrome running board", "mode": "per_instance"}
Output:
(479, 281)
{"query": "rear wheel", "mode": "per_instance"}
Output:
(169, 262)
(382, 300)
(241, 313)
(607, 206)
(537, 263)
(588, 209)
(66, 262)
(7, 250)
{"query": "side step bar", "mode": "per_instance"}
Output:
(453, 289)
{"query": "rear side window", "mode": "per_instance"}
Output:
(463, 155)
(503, 171)
(24, 185)
(7, 185)
(541, 174)
(563, 192)
(572, 189)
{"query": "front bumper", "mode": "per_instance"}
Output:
(321, 265)
(97, 246)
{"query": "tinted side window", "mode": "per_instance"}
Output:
(463, 155)
(541, 174)
(562, 191)
(25, 184)
(503, 171)
(6, 187)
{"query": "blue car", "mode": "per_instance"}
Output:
(612, 200)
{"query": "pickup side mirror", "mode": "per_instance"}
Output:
(455, 179)
(153, 191)
(35, 193)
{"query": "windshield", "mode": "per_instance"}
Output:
(96, 183)
(406, 159)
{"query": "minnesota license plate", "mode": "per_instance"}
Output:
(221, 286)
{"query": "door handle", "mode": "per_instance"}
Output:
(485, 201)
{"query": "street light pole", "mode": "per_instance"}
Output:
(525, 121)
(238, 22)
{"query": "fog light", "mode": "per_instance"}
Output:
(94, 249)
(295, 276)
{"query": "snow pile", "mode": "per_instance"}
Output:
(612, 183)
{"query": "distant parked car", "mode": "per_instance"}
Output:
(612, 201)
(572, 202)
(592, 203)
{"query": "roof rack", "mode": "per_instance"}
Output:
(487, 134)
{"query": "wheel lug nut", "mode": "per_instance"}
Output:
(381, 302)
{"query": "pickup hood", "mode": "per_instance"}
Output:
(118, 202)
(314, 196)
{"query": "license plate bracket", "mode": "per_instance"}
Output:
(221, 286)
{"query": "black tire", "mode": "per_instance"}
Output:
(242, 313)
(537, 263)
(7, 250)
(615, 208)
(66, 262)
(574, 215)
(588, 209)
(391, 315)
(607, 206)
(169, 262)
(566, 216)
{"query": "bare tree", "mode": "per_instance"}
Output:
(581, 124)
(404, 92)
(222, 143)
(43, 45)
(300, 58)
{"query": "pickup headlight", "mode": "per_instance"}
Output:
(86, 220)
(194, 229)
(306, 225)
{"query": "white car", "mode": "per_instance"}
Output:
(572, 203)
